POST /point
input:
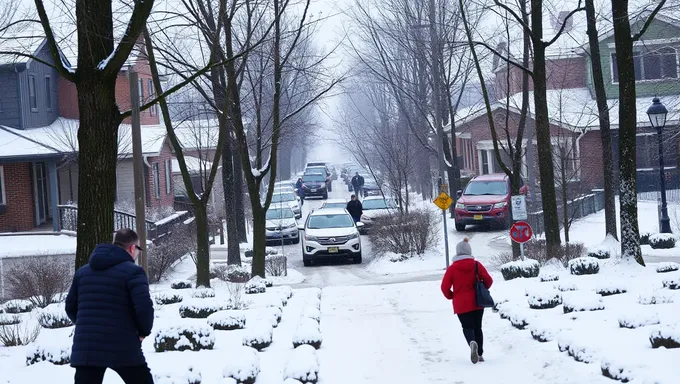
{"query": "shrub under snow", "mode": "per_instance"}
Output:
(271, 315)
(547, 277)
(203, 293)
(201, 309)
(307, 332)
(57, 355)
(258, 335)
(521, 268)
(584, 266)
(632, 320)
(582, 302)
(18, 306)
(312, 313)
(256, 285)
(276, 265)
(243, 365)
(566, 286)
(22, 333)
(54, 316)
(181, 284)
(284, 291)
(190, 377)
(611, 288)
(579, 351)
(227, 320)
(662, 241)
(544, 299)
(644, 238)
(672, 282)
(543, 331)
(665, 336)
(515, 315)
(184, 336)
(303, 365)
(667, 267)
(164, 298)
(655, 297)
(6, 319)
(616, 369)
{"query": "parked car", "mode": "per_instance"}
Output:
(322, 170)
(330, 233)
(485, 200)
(291, 200)
(334, 203)
(315, 184)
(374, 207)
(281, 225)
(371, 188)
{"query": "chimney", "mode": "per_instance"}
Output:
(500, 48)
(560, 19)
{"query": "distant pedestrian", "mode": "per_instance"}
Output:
(300, 191)
(355, 208)
(110, 305)
(462, 275)
(358, 184)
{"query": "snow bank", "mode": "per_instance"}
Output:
(242, 364)
(667, 267)
(544, 298)
(584, 266)
(667, 336)
(303, 365)
(190, 376)
(258, 334)
(186, 335)
(655, 297)
(17, 306)
(55, 354)
(611, 287)
(307, 332)
(203, 293)
(164, 298)
(607, 248)
(181, 284)
(638, 319)
(582, 301)
(256, 285)
(227, 320)
(54, 316)
(520, 268)
(201, 308)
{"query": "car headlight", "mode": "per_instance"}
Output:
(500, 205)
(271, 228)
(310, 238)
(291, 225)
(460, 206)
(355, 235)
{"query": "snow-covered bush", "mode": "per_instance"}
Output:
(547, 277)
(201, 308)
(566, 286)
(672, 282)
(284, 291)
(632, 320)
(667, 267)
(312, 313)
(55, 354)
(314, 301)
(243, 365)
(307, 332)
(498, 303)
(518, 318)
(164, 255)
(644, 238)
(662, 241)
(164, 298)
(54, 316)
(271, 315)
(584, 266)
(6, 319)
(544, 299)
(22, 333)
(582, 302)
(616, 370)
(265, 301)
(521, 268)
(184, 336)
(543, 331)
(203, 293)
(665, 336)
(611, 288)
(258, 334)
(189, 377)
(655, 297)
(238, 273)
(581, 352)
(410, 233)
(235, 291)
(276, 265)
(600, 254)
(303, 365)
(18, 306)
(256, 285)
(39, 279)
(227, 320)
(291, 381)
(181, 284)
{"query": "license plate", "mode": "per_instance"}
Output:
(479, 217)
(276, 235)
(313, 190)
(333, 250)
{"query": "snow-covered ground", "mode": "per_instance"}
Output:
(31, 245)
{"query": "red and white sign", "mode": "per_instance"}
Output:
(521, 232)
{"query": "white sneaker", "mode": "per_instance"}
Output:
(474, 355)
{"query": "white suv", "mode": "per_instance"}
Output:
(330, 233)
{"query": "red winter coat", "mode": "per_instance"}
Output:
(461, 276)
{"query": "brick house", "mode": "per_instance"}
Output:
(573, 110)
(38, 139)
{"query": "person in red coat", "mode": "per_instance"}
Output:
(461, 277)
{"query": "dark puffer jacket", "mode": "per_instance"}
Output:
(109, 303)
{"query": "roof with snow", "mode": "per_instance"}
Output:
(194, 165)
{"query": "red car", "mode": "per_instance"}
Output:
(485, 200)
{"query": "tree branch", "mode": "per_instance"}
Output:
(507, 60)
(57, 56)
(649, 20)
(137, 23)
(564, 24)
(524, 25)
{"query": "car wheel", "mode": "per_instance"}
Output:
(357, 258)
(306, 261)
(460, 227)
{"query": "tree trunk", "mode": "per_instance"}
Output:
(605, 129)
(228, 170)
(565, 201)
(203, 246)
(259, 224)
(543, 139)
(239, 197)
(453, 172)
(98, 145)
(630, 234)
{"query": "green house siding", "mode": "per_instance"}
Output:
(658, 30)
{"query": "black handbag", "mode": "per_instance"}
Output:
(483, 296)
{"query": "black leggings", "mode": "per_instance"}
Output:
(131, 375)
(472, 328)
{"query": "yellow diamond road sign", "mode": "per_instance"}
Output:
(443, 201)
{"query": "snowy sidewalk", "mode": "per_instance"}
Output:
(407, 333)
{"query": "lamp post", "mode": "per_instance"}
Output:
(657, 117)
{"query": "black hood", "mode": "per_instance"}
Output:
(106, 256)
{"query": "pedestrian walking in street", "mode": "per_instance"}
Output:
(462, 276)
(300, 191)
(358, 184)
(355, 208)
(110, 305)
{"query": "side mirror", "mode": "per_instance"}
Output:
(459, 193)
(359, 224)
(301, 227)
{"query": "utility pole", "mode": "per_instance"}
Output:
(436, 95)
(138, 165)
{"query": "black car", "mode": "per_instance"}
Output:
(371, 188)
(315, 184)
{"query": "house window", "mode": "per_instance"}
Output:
(485, 162)
(652, 65)
(33, 98)
(3, 197)
(168, 177)
(48, 93)
(151, 95)
(141, 92)
(156, 181)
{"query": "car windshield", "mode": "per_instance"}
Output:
(377, 204)
(330, 221)
(314, 178)
(276, 214)
(479, 188)
(321, 170)
(282, 197)
(335, 205)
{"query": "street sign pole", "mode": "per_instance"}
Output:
(446, 231)
(444, 201)
(521, 251)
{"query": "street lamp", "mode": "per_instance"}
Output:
(657, 117)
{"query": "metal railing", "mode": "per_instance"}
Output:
(577, 208)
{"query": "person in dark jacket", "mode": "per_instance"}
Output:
(358, 183)
(462, 278)
(355, 208)
(300, 191)
(110, 305)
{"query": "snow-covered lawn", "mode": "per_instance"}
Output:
(36, 245)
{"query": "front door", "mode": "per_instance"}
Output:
(41, 186)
